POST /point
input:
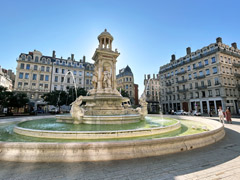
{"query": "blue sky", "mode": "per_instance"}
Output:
(146, 33)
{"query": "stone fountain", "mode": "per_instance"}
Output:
(104, 105)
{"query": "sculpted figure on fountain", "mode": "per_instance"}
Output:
(77, 112)
(107, 80)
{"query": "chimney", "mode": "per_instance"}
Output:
(53, 54)
(173, 58)
(188, 50)
(148, 76)
(84, 59)
(153, 76)
(219, 40)
(234, 45)
(144, 76)
(72, 57)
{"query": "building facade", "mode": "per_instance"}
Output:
(37, 74)
(5, 79)
(202, 80)
(125, 81)
(152, 90)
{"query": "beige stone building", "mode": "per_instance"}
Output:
(202, 80)
(152, 90)
(5, 80)
(125, 81)
(37, 74)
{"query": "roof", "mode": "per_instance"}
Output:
(125, 72)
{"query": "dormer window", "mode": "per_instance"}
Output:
(36, 59)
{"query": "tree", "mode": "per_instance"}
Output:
(123, 93)
(72, 94)
(18, 100)
(56, 98)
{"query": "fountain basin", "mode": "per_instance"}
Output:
(114, 119)
(74, 151)
(97, 134)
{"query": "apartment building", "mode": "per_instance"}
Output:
(202, 80)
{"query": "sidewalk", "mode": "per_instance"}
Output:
(218, 161)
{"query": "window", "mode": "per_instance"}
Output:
(202, 83)
(190, 86)
(80, 81)
(194, 66)
(80, 73)
(46, 86)
(20, 76)
(68, 80)
(46, 77)
(191, 95)
(87, 81)
(36, 59)
(210, 93)
(28, 66)
(196, 84)
(25, 84)
(22, 66)
(29, 58)
(214, 70)
(75, 72)
(176, 71)
(56, 78)
(48, 69)
(229, 60)
(207, 72)
(35, 67)
(62, 79)
(182, 69)
(34, 77)
(200, 63)
(203, 94)
(126, 86)
(41, 77)
(55, 87)
(42, 68)
(56, 70)
(217, 92)
(63, 71)
(195, 74)
(200, 73)
(23, 57)
(19, 84)
(189, 76)
(209, 82)
(26, 75)
(197, 94)
(213, 60)
(216, 81)
(189, 68)
(206, 62)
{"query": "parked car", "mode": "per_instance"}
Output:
(195, 113)
(54, 110)
(40, 111)
(180, 112)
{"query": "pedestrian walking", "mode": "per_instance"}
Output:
(221, 115)
(228, 116)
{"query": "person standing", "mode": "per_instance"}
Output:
(221, 115)
(228, 116)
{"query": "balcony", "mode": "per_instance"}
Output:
(169, 92)
(182, 90)
(200, 77)
(182, 81)
(168, 84)
(237, 65)
(202, 87)
(181, 72)
(199, 67)
(237, 75)
(167, 77)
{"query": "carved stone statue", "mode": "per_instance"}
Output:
(107, 79)
(143, 109)
(77, 112)
(95, 80)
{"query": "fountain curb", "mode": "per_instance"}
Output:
(104, 151)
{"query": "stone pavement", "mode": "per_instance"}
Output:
(217, 161)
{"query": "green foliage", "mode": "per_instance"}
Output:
(59, 98)
(124, 93)
(12, 99)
